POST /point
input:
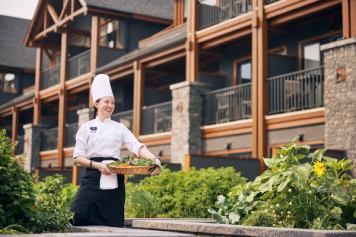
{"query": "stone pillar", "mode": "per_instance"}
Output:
(340, 97)
(84, 115)
(186, 119)
(32, 146)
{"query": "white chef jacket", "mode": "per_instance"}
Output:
(104, 139)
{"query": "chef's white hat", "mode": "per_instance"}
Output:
(101, 87)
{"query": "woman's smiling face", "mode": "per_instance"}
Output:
(105, 106)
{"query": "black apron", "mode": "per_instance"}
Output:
(94, 206)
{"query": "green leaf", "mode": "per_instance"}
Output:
(282, 185)
(218, 217)
(350, 226)
(336, 213)
(234, 217)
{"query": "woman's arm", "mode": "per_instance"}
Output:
(84, 162)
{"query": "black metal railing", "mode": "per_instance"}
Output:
(296, 91)
(71, 131)
(50, 77)
(124, 117)
(221, 10)
(156, 118)
(270, 1)
(20, 144)
(49, 139)
(79, 64)
(227, 104)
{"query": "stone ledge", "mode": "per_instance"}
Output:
(337, 44)
(209, 229)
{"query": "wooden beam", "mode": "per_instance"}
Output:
(62, 99)
(64, 9)
(178, 17)
(15, 124)
(353, 18)
(38, 76)
(95, 31)
(138, 97)
(349, 18)
(259, 76)
(254, 78)
(52, 12)
(262, 83)
(192, 47)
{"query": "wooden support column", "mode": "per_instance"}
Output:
(138, 97)
(192, 47)
(178, 18)
(15, 124)
(38, 78)
(62, 99)
(94, 51)
(259, 76)
(349, 18)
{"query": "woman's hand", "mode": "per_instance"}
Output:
(102, 168)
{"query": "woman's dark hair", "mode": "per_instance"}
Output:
(95, 109)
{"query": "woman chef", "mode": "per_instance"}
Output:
(101, 197)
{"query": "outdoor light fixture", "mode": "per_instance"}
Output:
(300, 137)
(160, 153)
(9, 76)
(228, 146)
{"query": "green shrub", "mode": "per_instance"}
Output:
(17, 196)
(179, 194)
(317, 194)
(52, 207)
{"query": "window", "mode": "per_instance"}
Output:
(311, 54)
(311, 51)
(111, 33)
(8, 83)
(244, 73)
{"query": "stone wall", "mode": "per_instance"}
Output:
(186, 119)
(340, 96)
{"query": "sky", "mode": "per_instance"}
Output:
(18, 8)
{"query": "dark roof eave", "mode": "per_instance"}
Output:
(17, 100)
(136, 55)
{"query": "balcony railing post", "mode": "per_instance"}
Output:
(296, 91)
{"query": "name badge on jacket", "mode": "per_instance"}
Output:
(93, 129)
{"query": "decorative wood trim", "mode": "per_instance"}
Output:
(352, 18)
(6, 112)
(78, 82)
(68, 151)
(226, 129)
(52, 12)
(301, 118)
(167, 58)
(156, 139)
(49, 92)
(49, 155)
(225, 31)
(227, 152)
(315, 142)
(138, 97)
(284, 11)
(115, 14)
